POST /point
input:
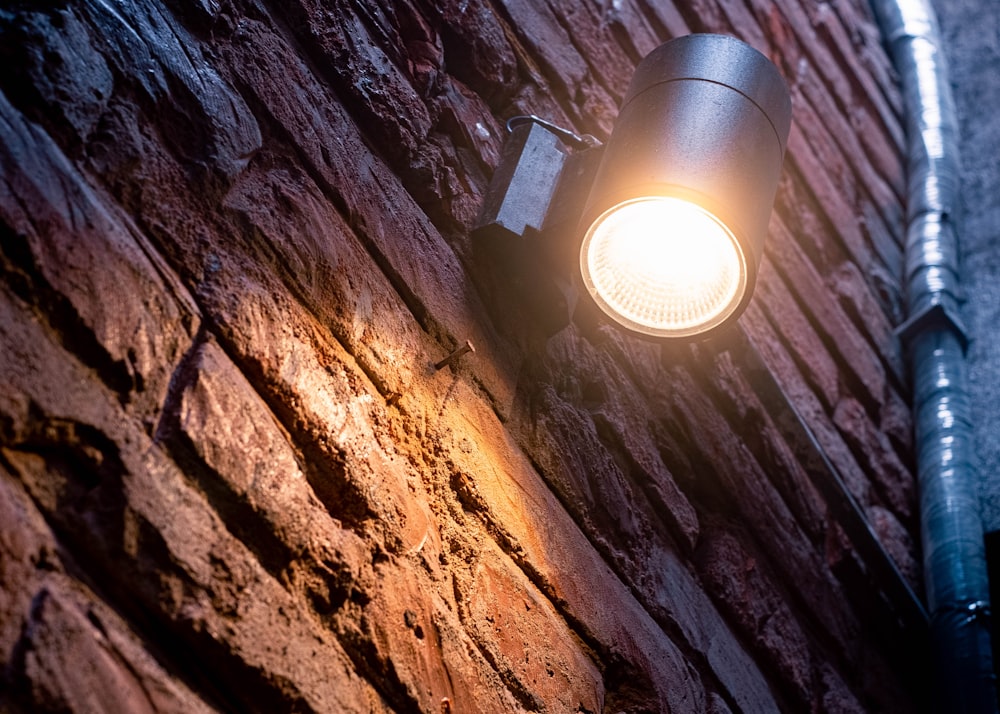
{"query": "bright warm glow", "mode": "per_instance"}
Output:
(663, 266)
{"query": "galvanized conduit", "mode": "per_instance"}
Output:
(952, 532)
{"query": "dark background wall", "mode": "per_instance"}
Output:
(235, 239)
(971, 30)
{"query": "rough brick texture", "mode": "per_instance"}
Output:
(234, 239)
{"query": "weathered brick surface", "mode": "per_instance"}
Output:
(234, 242)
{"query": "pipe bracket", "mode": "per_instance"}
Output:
(935, 316)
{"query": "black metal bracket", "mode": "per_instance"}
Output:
(527, 232)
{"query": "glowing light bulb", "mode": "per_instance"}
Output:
(663, 266)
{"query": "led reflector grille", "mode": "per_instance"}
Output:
(663, 266)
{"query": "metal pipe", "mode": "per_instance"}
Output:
(951, 528)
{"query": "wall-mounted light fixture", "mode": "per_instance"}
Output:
(669, 238)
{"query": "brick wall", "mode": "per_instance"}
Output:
(234, 239)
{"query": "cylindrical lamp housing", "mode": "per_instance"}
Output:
(675, 223)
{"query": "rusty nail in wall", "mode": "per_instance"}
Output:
(453, 357)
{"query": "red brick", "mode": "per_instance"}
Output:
(80, 259)
(636, 32)
(817, 418)
(841, 89)
(848, 168)
(751, 496)
(817, 365)
(78, 656)
(860, 367)
(416, 638)
(838, 212)
(256, 235)
(895, 483)
(503, 487)
(423, 268)
(873, 60)
(899, 544)
(549, 47)
(214, 126)
(590, 35)
(750, 595)
(153, 541)
(353, 464)
(314, 249)
(528, 642)
(27, 551)
(477, 49)
(668, 16)
(258, 486)
(855, 298)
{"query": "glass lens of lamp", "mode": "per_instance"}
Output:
(663, 266)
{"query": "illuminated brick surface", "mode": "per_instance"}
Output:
(234, 241)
